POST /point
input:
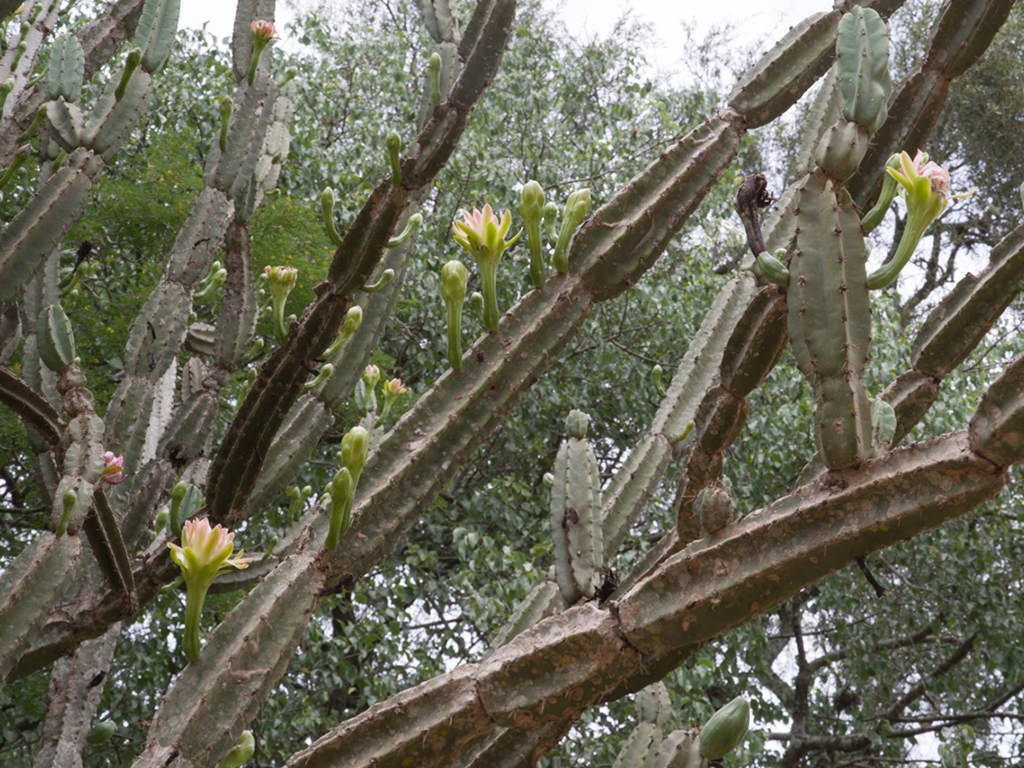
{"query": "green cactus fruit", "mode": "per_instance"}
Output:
(155, 33)
(65, 70)
(862, 63)
(714, 509)
(725, 730)
(841, 149)
(100, 733)
(55, 339)
(576, 423)
(772, 268)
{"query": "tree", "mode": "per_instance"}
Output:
(270, 429)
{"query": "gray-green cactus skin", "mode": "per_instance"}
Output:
(615, 646)
(576, 513)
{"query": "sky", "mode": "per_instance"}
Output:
(752, 20)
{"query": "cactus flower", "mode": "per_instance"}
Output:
(263, 33)
(926, 193)
(113, 468)
(204, 553)
(482, 233)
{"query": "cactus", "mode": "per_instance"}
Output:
(575, 513)
(65, 70)
(630, 637)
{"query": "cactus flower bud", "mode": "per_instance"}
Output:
(394, 142)
(482, 233)
(204, 554)
(393, 389)
(371, 375)
(454, 279)
(531, 207)
(342, 489)
(576, 207)
(354, 447)
(282, 280)
(353, 319)
(113, 468)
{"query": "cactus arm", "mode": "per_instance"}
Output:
(280, 381)
(967, 25)
(31, 407)
(954, 327)
(249, 652)
(73, 700)
(105, 539)
(29, 586)
(582, 651)
(997, 428)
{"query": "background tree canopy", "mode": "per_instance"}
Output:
(911, 656)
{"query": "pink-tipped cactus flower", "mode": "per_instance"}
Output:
(263, 31)
(925, 189)
(481, 230)
(204, 553)
(113, 468)
(925, 185)
(482, 233)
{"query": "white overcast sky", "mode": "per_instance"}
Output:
(752, 20)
